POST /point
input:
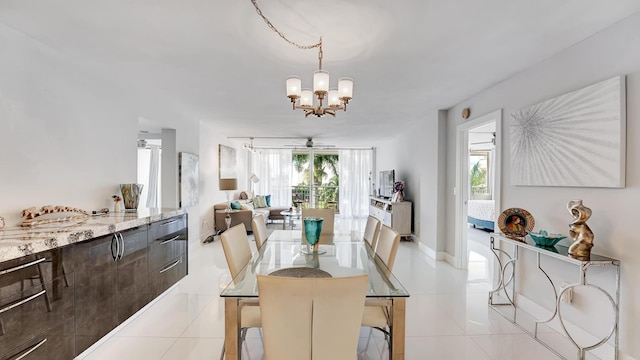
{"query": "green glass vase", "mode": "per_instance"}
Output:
(312, 230)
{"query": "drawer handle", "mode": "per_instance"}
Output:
(169, 222)
(171, 266)
(122, 250)
(170, 240)
(32, 349)
(18, 267)
(21, 302)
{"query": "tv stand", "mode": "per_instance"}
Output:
(396, 215)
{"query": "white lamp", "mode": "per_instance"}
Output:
(254, 180)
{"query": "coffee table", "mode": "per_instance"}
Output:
(289, 216)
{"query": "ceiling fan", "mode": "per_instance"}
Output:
(309, 144)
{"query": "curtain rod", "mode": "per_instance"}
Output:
(312, 148)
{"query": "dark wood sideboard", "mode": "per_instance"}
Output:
(56, 303)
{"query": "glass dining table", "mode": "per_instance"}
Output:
(341, 254)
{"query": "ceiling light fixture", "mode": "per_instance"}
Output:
(337, 98)
(249, 147)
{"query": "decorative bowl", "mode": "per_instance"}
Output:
(542, 238)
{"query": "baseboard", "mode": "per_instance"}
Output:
(438, 256)
(450, 259)
(604, 352)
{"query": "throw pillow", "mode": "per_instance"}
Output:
(235, 205)
(267, 199)
(259, 202)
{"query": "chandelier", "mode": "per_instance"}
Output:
(303, 99)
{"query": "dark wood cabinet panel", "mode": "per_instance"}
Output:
(57, 343)
(168, 262)
(166, 227)
(96, 290)
(162, 279)
(40, 305)
(133, 282)
(17, 275)
(166, 248)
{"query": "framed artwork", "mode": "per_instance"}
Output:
(577, 139)
(227, 167)
(188, 178)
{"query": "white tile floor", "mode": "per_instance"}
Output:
(447, 316)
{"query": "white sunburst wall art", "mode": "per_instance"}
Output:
(577, 139)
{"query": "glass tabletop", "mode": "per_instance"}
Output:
(346, 255)
(557, 251)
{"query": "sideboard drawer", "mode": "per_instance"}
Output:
(163, 278)
(162, 250)
(19, 274)
(55, 344)
(36, 310)
(166, 227)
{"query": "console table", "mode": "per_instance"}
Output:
(396, 215)
(504, 293)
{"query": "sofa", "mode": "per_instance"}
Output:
(270, 213)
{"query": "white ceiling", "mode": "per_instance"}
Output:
(217, 61)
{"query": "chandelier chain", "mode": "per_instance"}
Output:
(272, 27)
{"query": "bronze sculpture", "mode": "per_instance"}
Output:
(579, 231)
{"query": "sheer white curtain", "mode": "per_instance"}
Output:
(154, 177)
(273, 167)
(354, 168)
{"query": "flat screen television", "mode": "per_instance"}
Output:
(387, 178)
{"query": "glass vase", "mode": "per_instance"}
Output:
(131, 195)
(312, 230)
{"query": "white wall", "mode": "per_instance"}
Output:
(67, 137)
(62, 143)
(418, 158)
(614, 51)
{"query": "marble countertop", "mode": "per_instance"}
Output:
(19, 241)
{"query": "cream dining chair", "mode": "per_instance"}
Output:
(371, 231)
(327, 224)
(260, 232)
(376, 312)
(237, 251)
(311, 318)
(387, 245)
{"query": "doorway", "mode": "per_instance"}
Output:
(478, 149)
(149, 172)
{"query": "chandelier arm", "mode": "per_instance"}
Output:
(272, 27)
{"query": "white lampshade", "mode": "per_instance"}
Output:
(320, 81)
(294, 86)
(345, 87)
(306, 99)
(334, 99)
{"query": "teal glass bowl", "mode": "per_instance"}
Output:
(545, 239)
